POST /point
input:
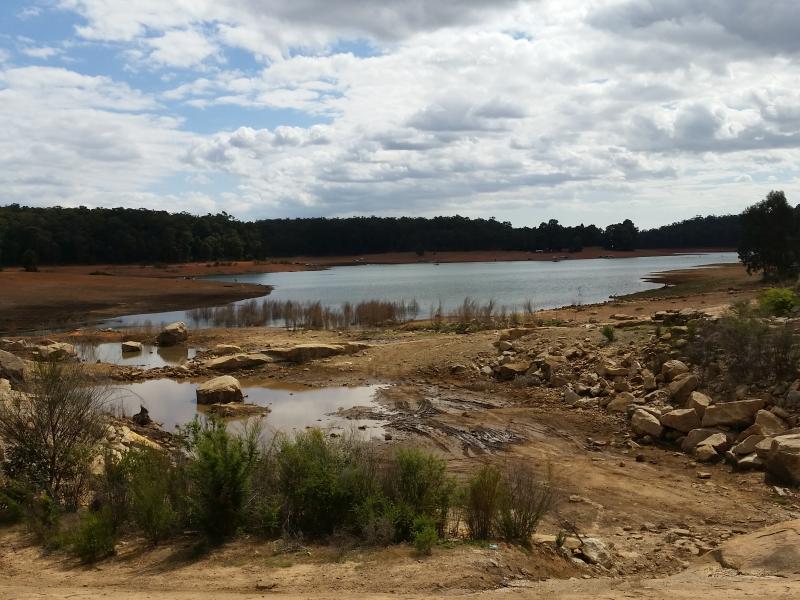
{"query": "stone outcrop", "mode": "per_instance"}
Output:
(234, 362)
(172, 334)
(306, 352)
(220, 390)
(55, 351)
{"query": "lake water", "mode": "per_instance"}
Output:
(510, 283)
(292, 408)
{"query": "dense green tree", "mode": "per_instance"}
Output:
(770, 238)
(621, 236)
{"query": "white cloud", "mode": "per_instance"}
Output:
(530, 109)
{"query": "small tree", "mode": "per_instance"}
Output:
(52, 433)
(770, 240)
(29, 261)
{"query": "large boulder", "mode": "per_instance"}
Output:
(682, 386)
(131, 347)
(644, 423)
(772, 551)
(741, 413)
(783, 459)
(11, 367)
(711, 447)
(234, 362)
(672, 369)
(172, 334)
(681, 419)
(220, 390)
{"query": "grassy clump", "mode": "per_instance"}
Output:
(778, 301)
(94, 538)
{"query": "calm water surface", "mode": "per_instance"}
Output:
(174, 403)
(150, 357)
(509, 283)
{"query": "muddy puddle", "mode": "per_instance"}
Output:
(150, 357)
(292, 408)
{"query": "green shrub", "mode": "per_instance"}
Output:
(425, 535)
(94, 538)
(608, 333)
(43, 519)
(778, 301)
(482, 497)
(322, 482)
(376, 518)
(13, 499)
(418, 485)
(154, 500)
(219, 476)
(112, 488)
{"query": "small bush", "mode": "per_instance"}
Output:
(13, 500)
(94, 538)
(43, 519)
(482, 498)
(608, 333)
(524, 500)
(778, 301)
(153, 499)
(418, 485)
(425, 535)
(112, 488)
(219, 476)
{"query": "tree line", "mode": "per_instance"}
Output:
(57, 235)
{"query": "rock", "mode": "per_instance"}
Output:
(769, 423)
(596, 552)
(172, 334)
(649, 381)
(56, 351)
(750, 462)
(235, 362)
(570, 396)
(515, 333)
(513, 369)
(783, 459)
(682, 419)
(696, 436)
(740, 413)
(142, 418)
(699, 402)
(11, 367)
(771, 551)
(458, 369)
(504, 345)
(236, 410)
(612, 370)
(220, 390)
(763, 447)
(355, 347)
(306, 352)
(226, 349)
(705, 454)
(621, 402)
(747, 446)
(644, 423)
(672, 369)
(130, 347)
(681, 388)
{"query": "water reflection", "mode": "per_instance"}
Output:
(149, 358)
(292, 408)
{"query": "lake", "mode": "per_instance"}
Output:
(545, 284)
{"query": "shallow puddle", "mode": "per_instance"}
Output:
(292, 408)
(150, 357)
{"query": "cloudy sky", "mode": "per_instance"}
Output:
(584, 111)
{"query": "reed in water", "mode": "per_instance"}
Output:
(366, 314)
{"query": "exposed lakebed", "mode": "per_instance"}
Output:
(509, 283)
(292, 408)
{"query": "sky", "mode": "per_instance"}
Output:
(580, 110)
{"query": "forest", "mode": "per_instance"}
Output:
(61, 236)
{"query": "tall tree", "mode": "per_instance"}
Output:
(770, 237)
